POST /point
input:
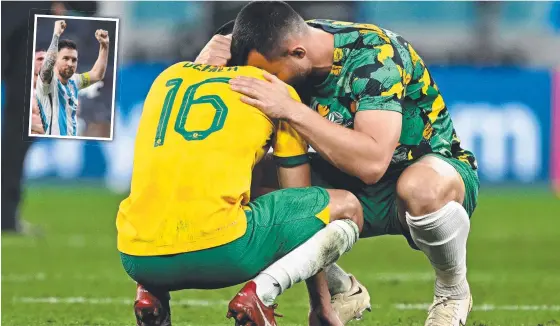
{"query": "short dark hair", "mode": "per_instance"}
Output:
(262, 26)
(67, 44)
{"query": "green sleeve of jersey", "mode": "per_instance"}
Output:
(377, 83)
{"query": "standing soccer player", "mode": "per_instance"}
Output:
(58, 85)
(382, 130)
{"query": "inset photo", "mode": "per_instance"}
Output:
(74, 77)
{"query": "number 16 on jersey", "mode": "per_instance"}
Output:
(186, 104)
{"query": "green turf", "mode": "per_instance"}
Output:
(513, 264)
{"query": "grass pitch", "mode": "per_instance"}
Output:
(72, 275)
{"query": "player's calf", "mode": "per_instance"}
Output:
(431, 192)
(348, 298)
(321, 250)
(442, 236)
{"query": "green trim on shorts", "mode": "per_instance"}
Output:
(277, 223)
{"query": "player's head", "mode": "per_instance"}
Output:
(39, 58)
(270, 35)
(67, 60)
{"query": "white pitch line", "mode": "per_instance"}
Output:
(211, 303)
(483, 307)
(381, 277)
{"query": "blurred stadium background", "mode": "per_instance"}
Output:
(498, 66)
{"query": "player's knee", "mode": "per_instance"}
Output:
(345, 205)
(421, 193)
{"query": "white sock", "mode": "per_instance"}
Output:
(321, 250)
(267, 288)
(442, 236)
(339, 280)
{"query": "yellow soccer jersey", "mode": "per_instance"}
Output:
(195, 149)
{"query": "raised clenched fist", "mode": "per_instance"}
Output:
(102, 37)
(59, 27)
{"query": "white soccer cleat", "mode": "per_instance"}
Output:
(449, 312)
(351, 304)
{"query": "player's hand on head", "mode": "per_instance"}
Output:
(216, 52)
(102, 36)
(271, 96)
(59, 27)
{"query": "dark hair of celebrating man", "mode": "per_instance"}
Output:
(67, 44)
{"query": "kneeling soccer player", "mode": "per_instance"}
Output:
(188, 222)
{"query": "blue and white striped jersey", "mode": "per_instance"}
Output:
(58, 104)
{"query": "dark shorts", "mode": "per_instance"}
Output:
(379, 201)
(277, 223)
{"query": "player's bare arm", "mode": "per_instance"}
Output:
(294, 177)
(50, 59)
(322, 312)
(261, 182)
(364, 152)
(97, 73)
(216, 52)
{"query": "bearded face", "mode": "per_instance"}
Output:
(67, 62)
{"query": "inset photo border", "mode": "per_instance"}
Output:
(74, 66)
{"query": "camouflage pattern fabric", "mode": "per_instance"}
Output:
(376, 69)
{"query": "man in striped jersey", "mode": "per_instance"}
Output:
(58, 85)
